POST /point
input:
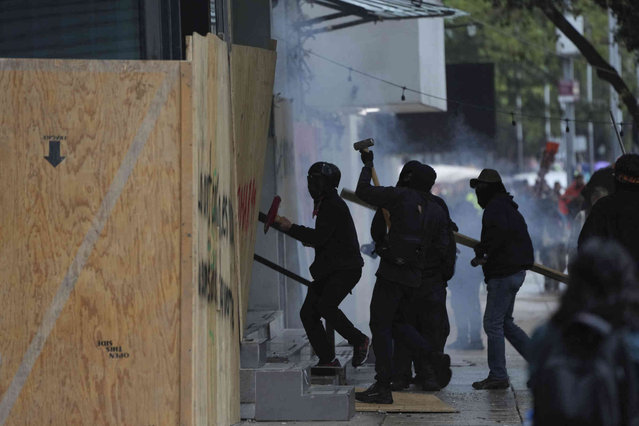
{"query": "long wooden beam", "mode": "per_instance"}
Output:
(465, 240)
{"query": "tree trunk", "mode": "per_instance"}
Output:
(604, 70)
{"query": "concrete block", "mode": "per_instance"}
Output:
(283, 393)
(253, 353)
(247, 385)
(247, 410)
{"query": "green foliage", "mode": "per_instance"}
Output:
(521, 44)
(627, 14)
(520, 41)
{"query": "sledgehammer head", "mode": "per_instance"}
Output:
(272, 213)
(363, 144)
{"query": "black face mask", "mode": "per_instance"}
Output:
(316, 186)
(404, 179)
(485, 192)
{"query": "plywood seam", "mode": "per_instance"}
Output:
(186, 246)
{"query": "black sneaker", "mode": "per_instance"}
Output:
(429, 379)
(360, 352)
(490, 383)
(334, 363)
(376, 394)
(441, 366)
(400, 384)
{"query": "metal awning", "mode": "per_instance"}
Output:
(364, 11)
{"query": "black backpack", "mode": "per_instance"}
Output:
(450, 255)
(586, 376)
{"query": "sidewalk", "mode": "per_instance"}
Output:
(503, 407)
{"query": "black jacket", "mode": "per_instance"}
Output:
(504, 238)
(402, 203)
(616, 216)
(437, 263)
(334, 238)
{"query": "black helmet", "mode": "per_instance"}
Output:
(322, 176)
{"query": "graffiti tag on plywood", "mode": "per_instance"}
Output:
(114, 351)
(217, 210)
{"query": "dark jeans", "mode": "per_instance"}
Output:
(553, 256)
(427, 313)
(322, 301)
(388, 321)
(499, 323)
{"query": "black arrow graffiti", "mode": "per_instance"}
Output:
(54, 153)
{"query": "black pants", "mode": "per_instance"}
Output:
(427, 313)
(388, 321)
(322, 301)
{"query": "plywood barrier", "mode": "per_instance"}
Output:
(252, 93)
(120, 275)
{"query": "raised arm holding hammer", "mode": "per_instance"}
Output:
(399, 276)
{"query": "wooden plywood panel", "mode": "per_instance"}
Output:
(90, 252)
(216, 310)
(188, 268)
(252, 75)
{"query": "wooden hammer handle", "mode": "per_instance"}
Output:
(376, 183)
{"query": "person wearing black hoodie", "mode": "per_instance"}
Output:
(427, 310)
(615, 216)
(417, 224)
(505, 252)
(336, 269)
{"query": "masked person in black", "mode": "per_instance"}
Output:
(616, 216)
(505, 252)
(417, 225)
(427, 310)
(336, 269)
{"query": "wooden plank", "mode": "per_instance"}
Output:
(252, 76)
(188, 186)
(466, 241)
(217, 309)
(226, 338)
(90, 249)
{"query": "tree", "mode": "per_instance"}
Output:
(627, 13)
(518, 46)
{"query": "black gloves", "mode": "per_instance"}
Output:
(367, 158)
(479, 260)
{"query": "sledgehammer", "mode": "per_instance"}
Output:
(363, 145)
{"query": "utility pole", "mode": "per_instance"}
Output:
(591, 126)
(568, 90)
(569, 76)
(615, 62)
(547, 129)
(520, 136)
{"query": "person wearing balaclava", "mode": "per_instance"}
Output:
(505, 251)
(417, 224)
(427, 311)
(616, 216)
(336, 269)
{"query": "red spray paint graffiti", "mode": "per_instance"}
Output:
(246, 199)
